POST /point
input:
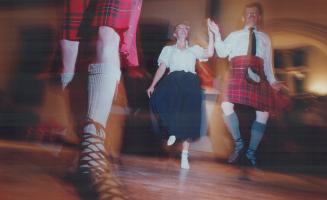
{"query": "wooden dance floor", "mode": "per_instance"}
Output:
(33, 172)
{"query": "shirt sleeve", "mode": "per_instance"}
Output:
(199, 53)
(268, 68)
(223, 48)
(164, 56)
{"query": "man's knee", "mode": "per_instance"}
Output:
(227, 107)
(108, 36)
(262, 116)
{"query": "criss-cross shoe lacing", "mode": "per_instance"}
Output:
(95, 166)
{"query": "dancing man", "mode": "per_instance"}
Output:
(115, 23)
(251, 79)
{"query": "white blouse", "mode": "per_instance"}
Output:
(236, 44)
(181, 59)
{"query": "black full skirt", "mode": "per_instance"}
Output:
(176, 106)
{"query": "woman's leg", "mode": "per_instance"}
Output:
(184, 156)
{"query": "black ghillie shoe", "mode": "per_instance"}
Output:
(236, 156)
(96, 171)
(251, 162)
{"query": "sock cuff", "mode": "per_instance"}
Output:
(104, 68)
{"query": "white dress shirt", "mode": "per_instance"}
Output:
(181, 59)
(236, 44)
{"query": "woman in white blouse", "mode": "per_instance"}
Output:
(176, 99)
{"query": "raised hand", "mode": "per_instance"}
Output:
(213, 27)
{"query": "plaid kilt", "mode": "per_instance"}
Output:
(122, 15)
(74, 16)
(113, 13)
(82, 13)
(240, 90)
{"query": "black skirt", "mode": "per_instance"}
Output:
(176, 106)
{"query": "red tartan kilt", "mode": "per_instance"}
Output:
(240, 90)
(74, 11)
(112, 13)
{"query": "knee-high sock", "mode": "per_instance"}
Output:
(232, 124)
(257, 131)
(102, 82)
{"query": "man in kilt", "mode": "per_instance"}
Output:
(115, 22)
(251, 79)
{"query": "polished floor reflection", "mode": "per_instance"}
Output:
(33, 172)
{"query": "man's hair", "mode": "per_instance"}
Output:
(254, 5)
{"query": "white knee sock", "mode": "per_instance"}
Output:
(101, 89)
(102, 83)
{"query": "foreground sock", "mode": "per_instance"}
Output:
(102, 82)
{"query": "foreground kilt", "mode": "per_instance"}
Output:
(122, 15)
(79, 14)
(176, 104)
(74, 15)
(240, 90)
(113, 13)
